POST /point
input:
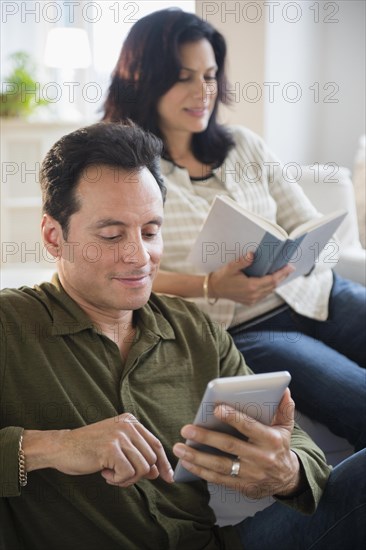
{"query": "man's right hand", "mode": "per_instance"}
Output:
(121, 448)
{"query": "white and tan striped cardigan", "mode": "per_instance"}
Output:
(254, 177)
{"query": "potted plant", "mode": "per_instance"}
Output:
(21, 93)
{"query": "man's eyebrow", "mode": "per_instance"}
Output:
(107, 222)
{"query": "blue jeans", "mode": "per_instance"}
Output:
(338, 523)
(326, 359)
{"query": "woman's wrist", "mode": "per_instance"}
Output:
(208, 291)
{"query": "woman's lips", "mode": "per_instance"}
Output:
(196, 112)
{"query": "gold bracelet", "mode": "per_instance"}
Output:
(21, 465)
(210, 301)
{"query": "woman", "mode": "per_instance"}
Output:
(170, 79)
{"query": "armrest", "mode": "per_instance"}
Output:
(352, 265)
(331, 189)
(29, 274)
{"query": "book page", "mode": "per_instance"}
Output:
(311, 246)
(269, 226)
(310, 225)
(226, 235)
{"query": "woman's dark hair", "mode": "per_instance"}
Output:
(121, 146)
(149, 65)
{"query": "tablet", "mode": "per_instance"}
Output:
(256, 395)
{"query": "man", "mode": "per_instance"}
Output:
(98, 377)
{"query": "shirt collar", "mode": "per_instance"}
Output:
(68, 317)
(151, 319)
(182, 177)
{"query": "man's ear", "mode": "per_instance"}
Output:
(52, 235)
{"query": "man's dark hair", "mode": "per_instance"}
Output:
(149, 65)
(115, 145)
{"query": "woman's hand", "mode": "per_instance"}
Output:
(230, 282)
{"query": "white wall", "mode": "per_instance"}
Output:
(307, 60)
(318, 45)
(290, 112)
(243, 26)
(323, 53)
(345, 61)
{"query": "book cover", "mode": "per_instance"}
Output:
(230, 231)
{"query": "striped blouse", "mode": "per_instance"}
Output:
(254, 177)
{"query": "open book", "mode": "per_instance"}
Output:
(230, 231)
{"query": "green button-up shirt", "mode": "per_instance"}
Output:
(58, 371)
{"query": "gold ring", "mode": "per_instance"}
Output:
(235, 468)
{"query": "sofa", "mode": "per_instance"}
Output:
(329, 188)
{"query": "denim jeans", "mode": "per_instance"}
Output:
(338, 523)
(326, 359)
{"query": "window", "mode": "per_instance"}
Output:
(107, 23)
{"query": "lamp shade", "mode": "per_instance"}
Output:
(67, 48)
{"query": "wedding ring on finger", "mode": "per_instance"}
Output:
(235, 467)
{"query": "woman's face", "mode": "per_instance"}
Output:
(188, 104)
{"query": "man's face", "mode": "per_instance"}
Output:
(114, 244)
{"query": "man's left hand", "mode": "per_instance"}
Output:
(267, 465)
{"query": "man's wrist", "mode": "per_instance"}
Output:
(41, 448)
(22, 470)
(298, 484)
